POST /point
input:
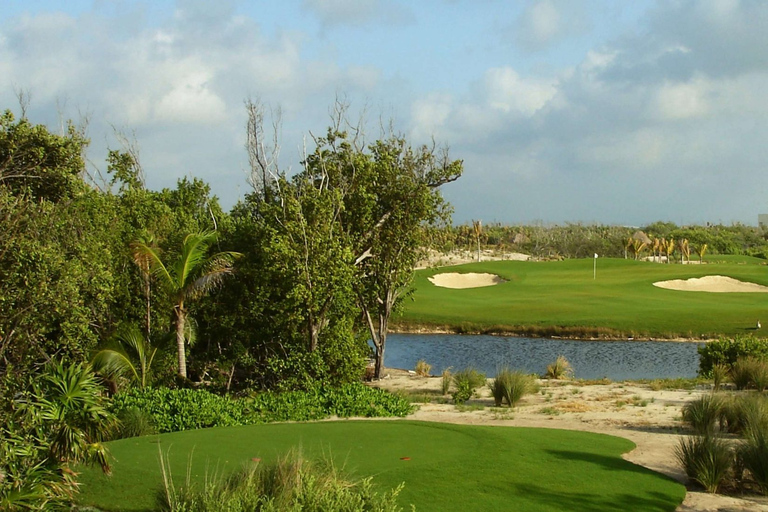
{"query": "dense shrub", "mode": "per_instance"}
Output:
(726, 351)
(291, 483)
(184, 409)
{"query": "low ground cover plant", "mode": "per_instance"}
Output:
(173, 410)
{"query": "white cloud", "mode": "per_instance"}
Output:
(191, 100)
(682, 100)
(358, 12)
(508, 92)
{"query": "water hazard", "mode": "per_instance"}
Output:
(616, 360)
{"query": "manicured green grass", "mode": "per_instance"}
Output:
(562, 298)
(451, 467)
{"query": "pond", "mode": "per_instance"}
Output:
(616, 360)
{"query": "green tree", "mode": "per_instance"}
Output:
(190, 276)
(128, 355)
(390, 194)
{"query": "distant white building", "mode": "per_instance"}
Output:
(762, 220)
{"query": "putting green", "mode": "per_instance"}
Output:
(448, 467)
(568, 298)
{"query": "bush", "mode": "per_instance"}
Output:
(466, 382)
(704, 414)
(291, 483)
(560, 369)
(726, 351)
(706, 459)
(511, 386)
(173, 410)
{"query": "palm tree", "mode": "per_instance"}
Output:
(129, 355)
(189, 277)
(143, 262)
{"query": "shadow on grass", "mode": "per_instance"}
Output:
(587, 502)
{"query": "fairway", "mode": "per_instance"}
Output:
(563, 298)
(450, 467)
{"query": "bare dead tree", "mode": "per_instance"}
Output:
(263, 154)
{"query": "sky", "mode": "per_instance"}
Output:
(562, 111)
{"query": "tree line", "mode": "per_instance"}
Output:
(284, 289)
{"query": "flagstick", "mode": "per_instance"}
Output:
(594, 271)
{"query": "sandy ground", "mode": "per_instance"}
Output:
(439, 259)
(716, 284)
(650, 419)
(460, 281)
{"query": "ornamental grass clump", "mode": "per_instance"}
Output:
(746, 412)
(706, 459)
(745, 371)
(290, 483)
(446, 379)
(704, 415)
(560, 369)
(466, 382)
(511, 386)
(752, 455)
(423, 368)
(719, 375)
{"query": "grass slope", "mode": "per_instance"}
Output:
(451, 467)
(562, 298)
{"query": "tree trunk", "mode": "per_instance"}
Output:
(180, 319)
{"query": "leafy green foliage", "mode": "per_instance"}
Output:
(58, 422)
(466, 381)
(726, 351)
(173, 410)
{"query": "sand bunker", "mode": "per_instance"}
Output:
(716, 284)
(471, 280)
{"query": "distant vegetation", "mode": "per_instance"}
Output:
(576, 240)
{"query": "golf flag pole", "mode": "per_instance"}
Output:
(594, 270)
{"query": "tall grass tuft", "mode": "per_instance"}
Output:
(753, 457)
(560, 369)
(466, 382)
(423, 368)
(719, 375)
(446, 379)
(742, 372)
(746, 412)
(704, 414)
(511, 386)
(291, 483)
(706, 459)
(135, 422)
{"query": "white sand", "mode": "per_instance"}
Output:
(715, 284)
(459, 281)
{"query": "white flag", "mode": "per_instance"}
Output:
(595, 255)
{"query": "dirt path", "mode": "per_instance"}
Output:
(650, 419)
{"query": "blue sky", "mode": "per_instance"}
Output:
(562, 110)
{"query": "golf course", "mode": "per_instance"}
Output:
(443, 467)
(589, 298)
